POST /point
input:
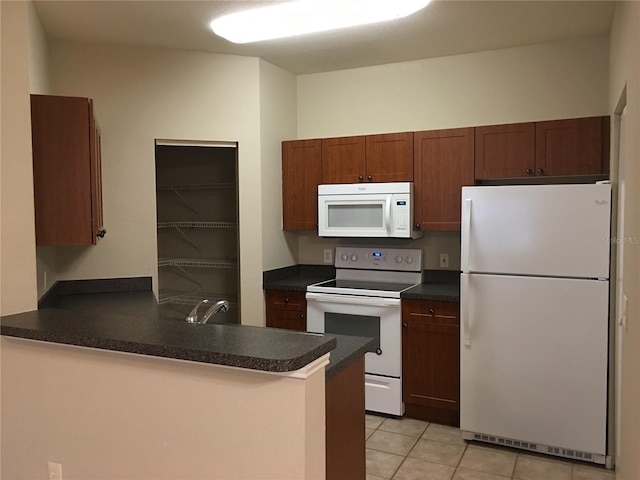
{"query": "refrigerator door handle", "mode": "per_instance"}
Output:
(464, 310)
(466, 234)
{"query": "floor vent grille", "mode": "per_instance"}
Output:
(536, 447)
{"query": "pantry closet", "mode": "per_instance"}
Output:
(197, 215)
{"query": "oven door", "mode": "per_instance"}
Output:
(364, 317)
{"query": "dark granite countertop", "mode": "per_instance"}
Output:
(243, 346)
(348, 349)
(127, 318)
(433, 291)
(443, 285)
(297, 277)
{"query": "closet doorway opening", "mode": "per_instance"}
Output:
(197, 215)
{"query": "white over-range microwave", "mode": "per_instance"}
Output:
(366, 210)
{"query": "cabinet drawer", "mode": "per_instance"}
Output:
(286, 300)
(433, 310)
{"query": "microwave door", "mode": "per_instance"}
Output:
(354, 216)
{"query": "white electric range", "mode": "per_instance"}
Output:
(364, 300)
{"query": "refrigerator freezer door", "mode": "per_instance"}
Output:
(535, 364)
(546, 230)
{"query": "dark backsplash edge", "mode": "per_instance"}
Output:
(100, 285)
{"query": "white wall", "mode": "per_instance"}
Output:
(624, 73)
(144, 94)
(38, 54)
(108, 415)
(277, 122)
(17, 237)
(540, 82)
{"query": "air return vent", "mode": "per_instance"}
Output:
(536, 447)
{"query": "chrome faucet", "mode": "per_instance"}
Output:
(220, 306)
(193, 314)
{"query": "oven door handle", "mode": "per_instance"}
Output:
(352, 300)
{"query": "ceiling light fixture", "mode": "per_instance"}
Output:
(308, 16)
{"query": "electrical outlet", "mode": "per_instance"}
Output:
(444, 260)
(55, 471)
(328, 255)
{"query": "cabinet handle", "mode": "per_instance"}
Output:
(302, 315)
(405, 325)
(286, 300)
(369, 178)
(101, 233)
(431, 311)
(540, 171)
(360, 178)
(418, 227)
(529, 171)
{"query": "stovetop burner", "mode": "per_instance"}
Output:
(364, 285)
(373, 272)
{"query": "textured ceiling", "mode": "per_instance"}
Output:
(445, 27)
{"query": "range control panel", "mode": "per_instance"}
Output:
(373, 258)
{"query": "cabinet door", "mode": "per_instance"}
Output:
(96, 174)
(286, 309)
(390, 157)
(443, 164)
(289, 320)
(505, 151)
(572, 147)
(67, 194)
(301, 175)
(430, 348)
(343, 160)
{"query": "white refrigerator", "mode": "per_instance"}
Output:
(534, 317)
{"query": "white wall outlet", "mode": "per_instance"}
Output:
(444, 260)
(328, 255)
(55, 471)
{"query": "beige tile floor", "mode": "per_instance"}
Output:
(408, 449)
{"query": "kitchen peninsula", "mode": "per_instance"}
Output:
(126, 394)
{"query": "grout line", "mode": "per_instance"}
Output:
(464, 451)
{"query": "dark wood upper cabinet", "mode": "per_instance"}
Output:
(371, 158)
(577, 146)
(301, 175)
(505, 151)
(443, 164)
(390, 157)
(572, 147)
(66, 171)
(430, 360)
(343, 160)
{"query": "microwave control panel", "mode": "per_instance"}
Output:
(402, 214)
(374, 258)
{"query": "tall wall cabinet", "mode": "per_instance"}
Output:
(197, 215)
(67, 179)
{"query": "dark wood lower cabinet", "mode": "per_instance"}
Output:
(286, 309)
(431, 360)
(345, 422)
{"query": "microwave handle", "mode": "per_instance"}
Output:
(387, 215)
